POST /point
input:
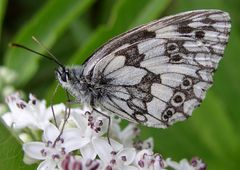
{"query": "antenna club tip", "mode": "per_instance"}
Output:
(34, 38)
(11, 45)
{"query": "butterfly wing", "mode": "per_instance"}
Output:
(156, 74)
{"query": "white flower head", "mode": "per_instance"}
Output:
(84, 131)
(114, 156)
(184, 164)
(146, 144)
(198, 164)
(147, 160)
(33, 114)
(91, 126)
(115, 129)
(54, 148)
(128, 134)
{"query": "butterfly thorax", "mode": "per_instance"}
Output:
(83, 88)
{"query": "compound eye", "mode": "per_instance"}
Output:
(64, 76)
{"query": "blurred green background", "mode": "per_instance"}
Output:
(73, 29)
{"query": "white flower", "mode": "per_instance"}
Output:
(182, 165)
(194, 164)
(55, 151)
(91, 126)
(147, 160)
(128, 134)
(114, 156)
(125, 136)
(115, 128)
(33, 114)
(198, 163)
(53, 148)
(146, 144)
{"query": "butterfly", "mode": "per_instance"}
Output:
(155, 74)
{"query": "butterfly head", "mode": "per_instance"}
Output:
(70, 78)
(63, 76)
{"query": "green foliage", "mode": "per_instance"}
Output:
(48, 24)
(11, 151)
(2, 11)
(75, 28)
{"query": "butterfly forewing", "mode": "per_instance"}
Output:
(156, 74)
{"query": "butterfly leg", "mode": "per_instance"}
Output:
(53, 113)
(109, 123)
(66, 117)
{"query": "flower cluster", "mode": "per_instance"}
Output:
(80, 142)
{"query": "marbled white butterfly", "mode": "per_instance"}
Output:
(155, 74)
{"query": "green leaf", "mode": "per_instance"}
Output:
(105, 13)
(3, 4)
(47, 25)
(80, 30)
(226, 79)
(217, 132)
(119, 23)
(151, 11)
(11, 153)
(218, 129)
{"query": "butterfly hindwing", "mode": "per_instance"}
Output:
(156, 74)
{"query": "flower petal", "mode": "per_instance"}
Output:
(75, 143)
(129, 168)
(70, 133)
(80, 121)
(27, 160)
(183, 165)
(51, 132)
(116, 145)
(115, 129)
(58, 108)
(7, 118)
(104, 127)
(73, 140)
(128, 153)
(33, 150)
(128, 133)
(22, 119)
(47, 165)
(103, 149)
(88, 152)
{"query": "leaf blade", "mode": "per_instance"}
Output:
(11, 153)
(48, 24)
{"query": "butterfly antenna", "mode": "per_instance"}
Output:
(48, 51)
(35, 52)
